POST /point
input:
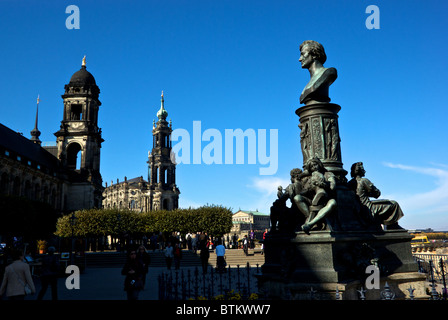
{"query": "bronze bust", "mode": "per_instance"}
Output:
(312, 57)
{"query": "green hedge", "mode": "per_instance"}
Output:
(215, 220)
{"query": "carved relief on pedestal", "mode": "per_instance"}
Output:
(331, 139)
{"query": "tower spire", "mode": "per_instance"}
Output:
(83, 62)
(35, 133)
(162, 113)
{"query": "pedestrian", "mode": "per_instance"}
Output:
(153, 242)
(177, 253)
(205, 255)
(252, 239)
(235, 241)
(245, 245)
(49, 274)
(189, 241)
(169, 255)
(144, 259)
(220, 251)
(264, 237)
(133, 270)
(17, 276)
(194, 243)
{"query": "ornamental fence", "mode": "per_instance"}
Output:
(434, 266)
(232, 283)
(240, 283)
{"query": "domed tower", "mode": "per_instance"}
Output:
(164, 194)
(79, 138)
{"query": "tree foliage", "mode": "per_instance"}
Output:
(215, 220)
(20, 216)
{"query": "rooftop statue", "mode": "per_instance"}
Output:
(312, 57)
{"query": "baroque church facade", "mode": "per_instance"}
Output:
(67, 176)
(159, 191)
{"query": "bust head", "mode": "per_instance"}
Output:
(312, 57)
(310, 51)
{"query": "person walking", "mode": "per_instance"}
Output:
(252, 239)
(194, 242)
(17, 276)
(134, 271)
(264, 238)
(245, 245)
(220, 251)
(144, 259)
(49, 275)
(153, 242)
(234, 241)
(169, 255)
(204, 255)
(177, 253)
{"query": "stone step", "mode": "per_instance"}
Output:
(234, 257)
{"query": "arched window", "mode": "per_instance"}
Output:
(166, 204)
(16, 186)
(4, 184)
(37, 192)
(27, 190)
(74, 154)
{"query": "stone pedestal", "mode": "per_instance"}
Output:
(319, 136)
(316, 266)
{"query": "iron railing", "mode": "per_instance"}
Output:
(434, 266)
(233, 283)
(240, 283)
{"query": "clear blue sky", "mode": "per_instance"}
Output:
(234, 64)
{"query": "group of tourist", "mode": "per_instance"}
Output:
(17, 281)
(135, 269)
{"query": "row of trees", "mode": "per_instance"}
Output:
(215, 220)
(21, 217)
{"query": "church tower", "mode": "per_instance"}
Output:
(163, 193)
(79, 138)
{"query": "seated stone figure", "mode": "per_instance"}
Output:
(282, 217)
(317, 201)
(312, 199)
(320, 199)
(386, 212)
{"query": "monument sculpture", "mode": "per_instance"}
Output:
(386, 212)
(332, 230)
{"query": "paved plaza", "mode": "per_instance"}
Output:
(101, 284)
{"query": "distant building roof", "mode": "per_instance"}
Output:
(255, 213)
(129, 181)
(17, 143)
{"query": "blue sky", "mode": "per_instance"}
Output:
(234, 64)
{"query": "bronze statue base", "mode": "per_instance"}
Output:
(329, 261)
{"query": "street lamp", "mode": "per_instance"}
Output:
(72, 224)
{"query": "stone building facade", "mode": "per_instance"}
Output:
(244, 221)
(160, 191)
(68, 175)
